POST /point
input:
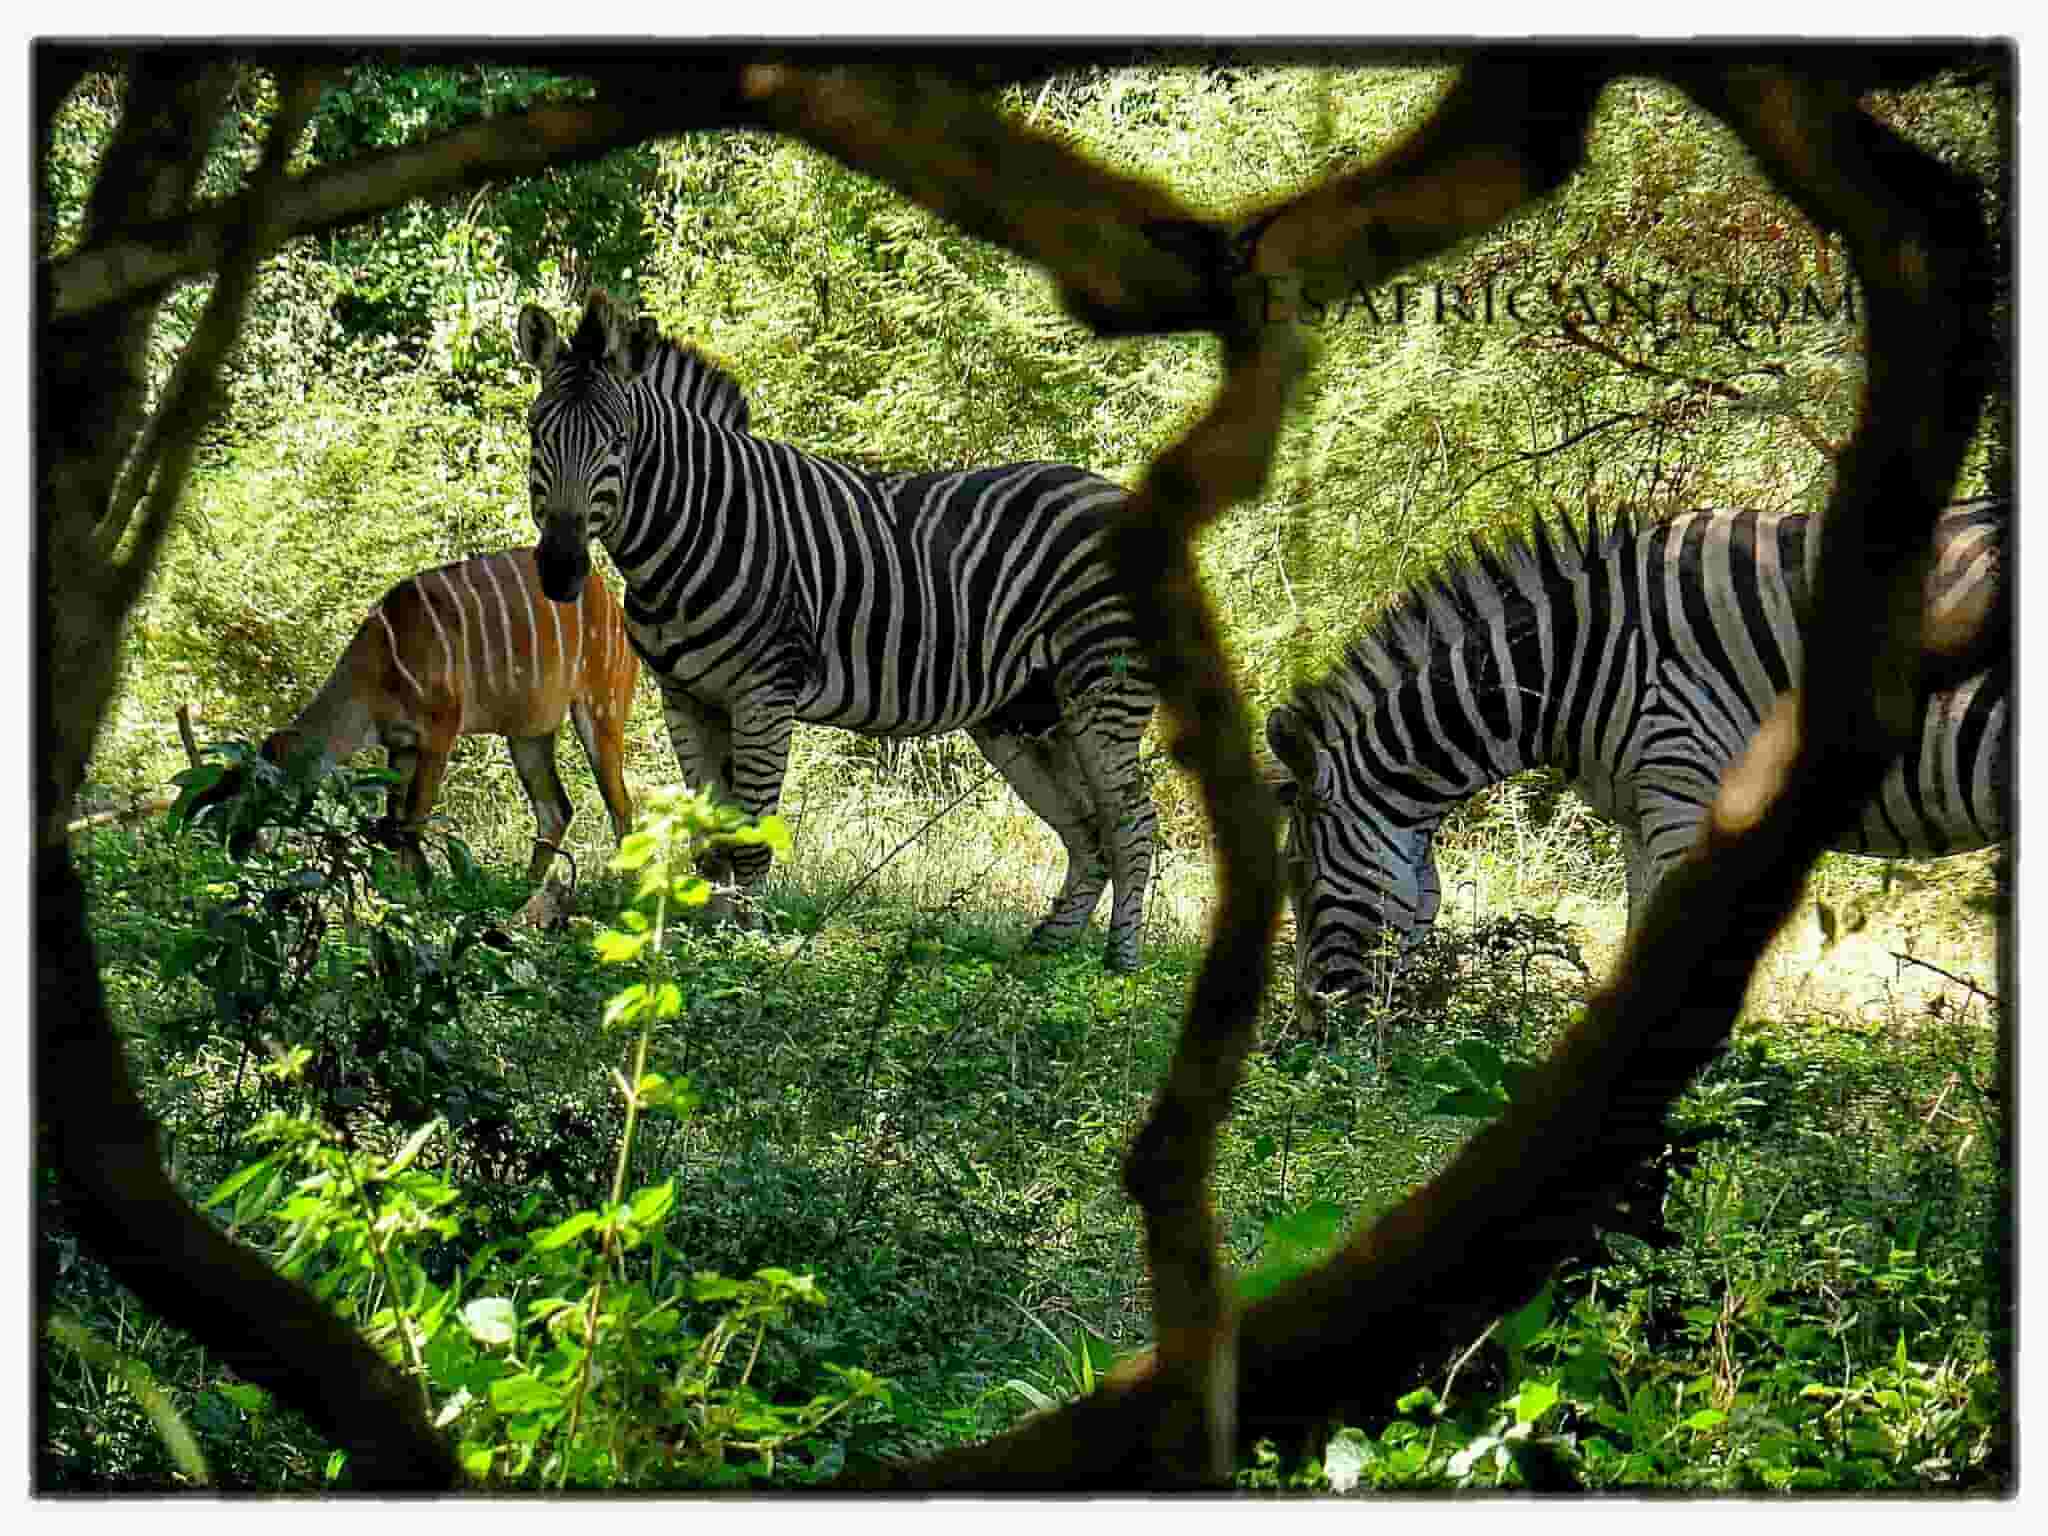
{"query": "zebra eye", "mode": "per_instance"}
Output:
(619, 443)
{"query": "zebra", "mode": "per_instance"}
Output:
(1639, 661)
(766, 585)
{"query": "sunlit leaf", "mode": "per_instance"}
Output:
(564, 1232)
(635, 851)
(491, 1320)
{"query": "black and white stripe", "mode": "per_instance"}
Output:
(1639, 662)
(765, 585)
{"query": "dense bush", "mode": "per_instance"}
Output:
(883, 1093)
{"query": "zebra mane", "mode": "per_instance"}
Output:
(679, 372)
(1458, 594)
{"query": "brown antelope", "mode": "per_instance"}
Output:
(473, 649)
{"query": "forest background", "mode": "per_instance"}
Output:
(1594, 356)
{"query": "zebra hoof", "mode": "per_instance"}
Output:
(1044, 940)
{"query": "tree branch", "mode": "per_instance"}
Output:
(1129, 257)
(140, 259)
(1224, 460)
(193, 397)
(1718, 388)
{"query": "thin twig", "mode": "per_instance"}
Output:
(1961, 981)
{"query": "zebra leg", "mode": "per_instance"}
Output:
(1108, 762)
(1635, 874)
(1048, 780)
(533, 758)
(1676, 825)
(702, 737)
(759, 756)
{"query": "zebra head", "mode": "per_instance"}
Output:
(1357, 876)
(582, 425)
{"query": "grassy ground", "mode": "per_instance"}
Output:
(896, 1099)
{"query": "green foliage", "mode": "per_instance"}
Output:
(873, 1095)
(957, 1160)
(1293, 1244)
(438, 284)
(1080, 1366)
(303, 947)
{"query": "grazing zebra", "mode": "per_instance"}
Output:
(472, 649)
(765, 585)
(1638, 661)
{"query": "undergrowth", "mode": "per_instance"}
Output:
(859, 1199)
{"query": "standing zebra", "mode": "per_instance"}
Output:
(1639, 662)
(765, 585)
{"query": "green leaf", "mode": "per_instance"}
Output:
(1704, 1418)
(234, 1182)
(491, 1320)
(1038, 1400)
(1294, 1243)
(627, 1004)
(1417, 1401)
(635, 851)
(453, 1409)
(1519, 1329)
(525, 1394)
(1346, 1456)
(411, 1149)
(1472, 1105)
(1462, 1463)
(247, 1396)
(564, 1232)
(1533, 1401)
(706, 1285)
(691, 890)
(775, 833)
(615, 948)
(1483, 1057)
(650, 1205)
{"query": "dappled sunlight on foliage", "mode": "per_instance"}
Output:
(658, 1200)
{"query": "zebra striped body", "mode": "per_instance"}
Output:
(473, 648)
(1638, 662)
(765, 585)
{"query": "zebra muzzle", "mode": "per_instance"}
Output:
(563, 558)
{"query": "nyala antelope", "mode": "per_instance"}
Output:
(473, 649)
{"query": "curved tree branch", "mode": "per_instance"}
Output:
(138, 259)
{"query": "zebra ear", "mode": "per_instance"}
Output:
(1286, 735)
(600, 332)
(539, 341)
(641, 344)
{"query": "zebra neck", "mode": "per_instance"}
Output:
(1469, 704)
(687, 482)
